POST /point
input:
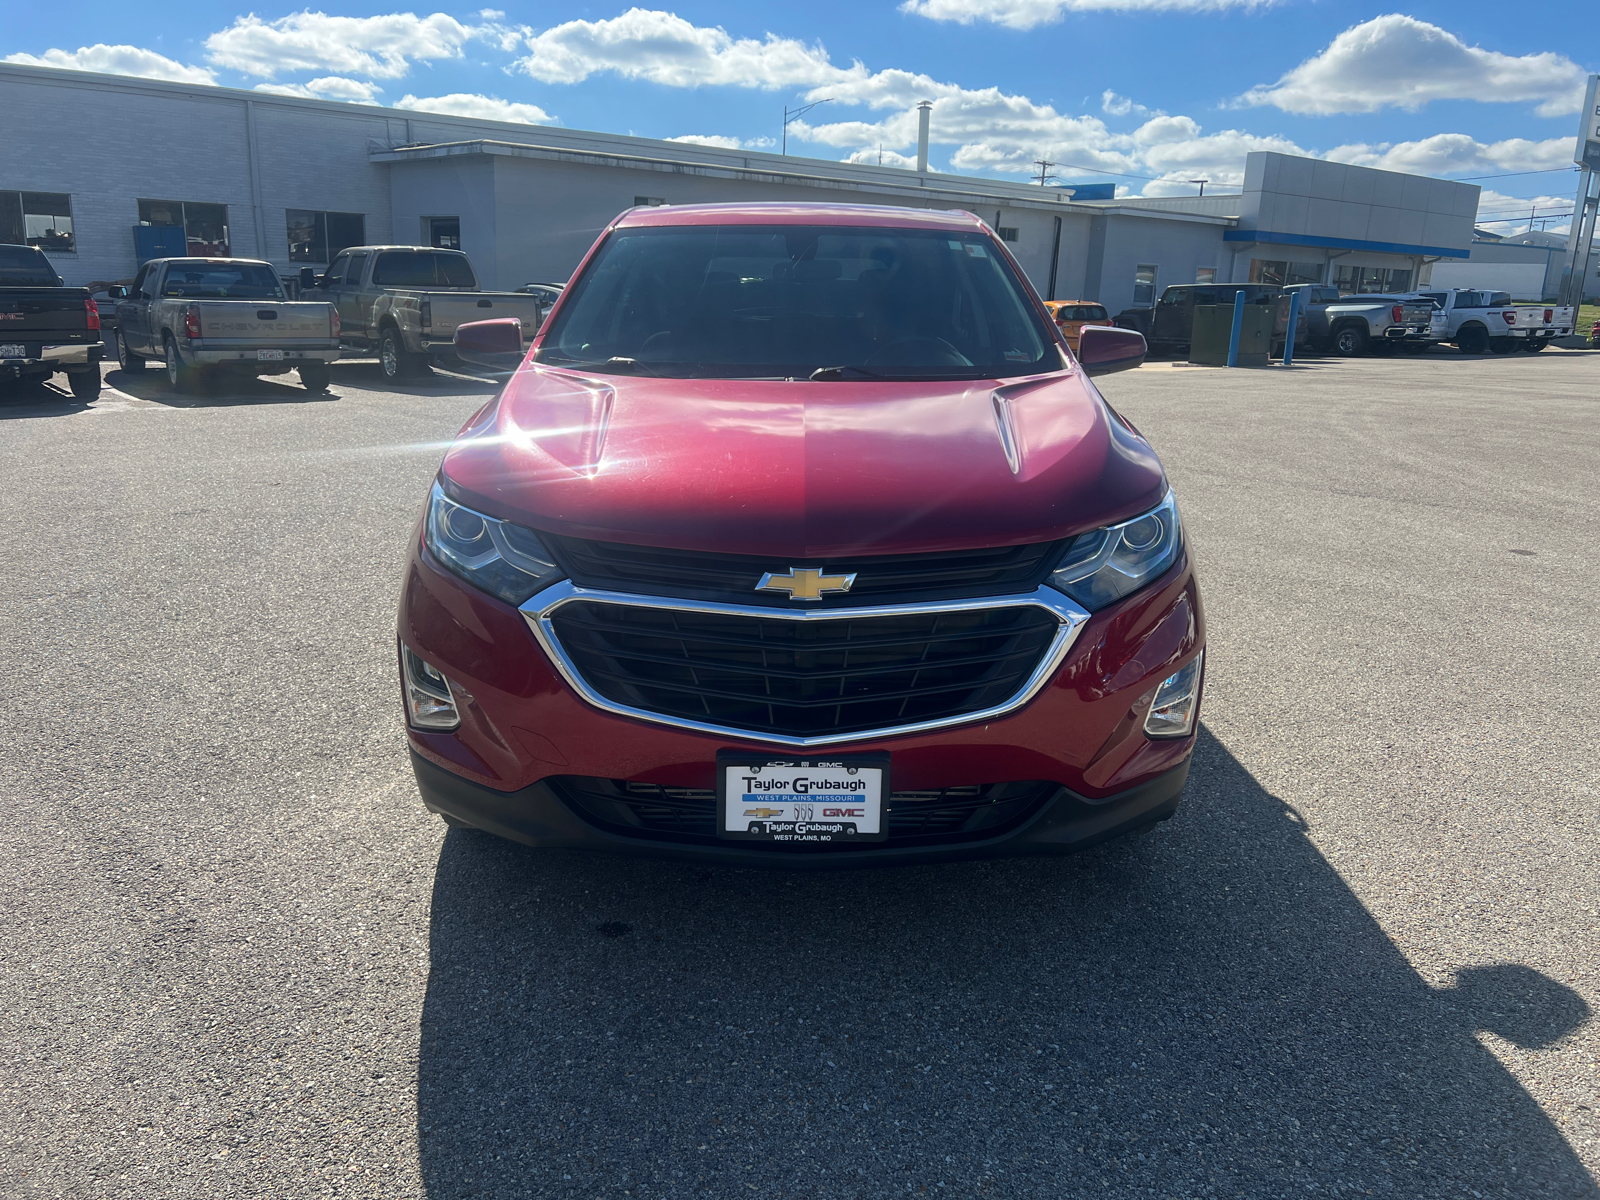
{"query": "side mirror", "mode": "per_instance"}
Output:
(495, 344)
(1103, 349)
(308, 277)
(117, 292)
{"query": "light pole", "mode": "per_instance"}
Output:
(796, 115)
(1202, 183)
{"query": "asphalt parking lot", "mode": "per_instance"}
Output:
(1362, 960)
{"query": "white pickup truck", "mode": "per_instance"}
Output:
(1478, 321)
(404, 303)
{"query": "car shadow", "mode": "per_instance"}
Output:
(216, 390)
(33, 397)
(451, 380)
(1206, 1009)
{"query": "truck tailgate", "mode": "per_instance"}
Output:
(53, 315)
(264, 322)
(450, 309)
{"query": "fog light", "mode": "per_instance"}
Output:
(429, 704)
(1172, 714)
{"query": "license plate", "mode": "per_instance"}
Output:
(13, 350)
(269, 355)
(826, 800)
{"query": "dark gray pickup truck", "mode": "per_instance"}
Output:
(45, 327)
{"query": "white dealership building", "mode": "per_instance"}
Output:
(103, 171)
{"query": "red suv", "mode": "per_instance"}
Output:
(799, 538)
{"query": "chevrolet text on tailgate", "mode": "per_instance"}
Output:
(799, 538)
(201, 315)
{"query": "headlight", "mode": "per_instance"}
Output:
(503, 559)
(1111, 563)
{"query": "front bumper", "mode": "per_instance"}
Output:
(539, 815)
(523, 724)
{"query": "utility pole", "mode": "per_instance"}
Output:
(795, 115)
(1044, 166)
(1202, 183)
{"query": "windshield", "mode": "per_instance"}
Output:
(784, 301)
(221, 281)
(1081, 312)
(23, 266)
(426, 270)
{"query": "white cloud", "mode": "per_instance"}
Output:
(1513, 214)
(331, 87)
(381, 47)
(484, 108)
(117, 60)
(1458, 154)
(662, 47)
(1401, 61)
(1114, 105)
(1026, 14)
(715, 140)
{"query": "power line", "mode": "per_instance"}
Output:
(1510, 174)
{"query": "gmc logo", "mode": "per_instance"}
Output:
(844, 812)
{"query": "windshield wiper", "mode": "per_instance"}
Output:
(825, 374)
(617, 364)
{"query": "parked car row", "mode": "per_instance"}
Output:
(1475, 321)
(200, 316)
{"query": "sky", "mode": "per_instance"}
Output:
(1149, 94)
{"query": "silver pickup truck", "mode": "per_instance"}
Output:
(404, 302)
(1352, 325)
(215, 314)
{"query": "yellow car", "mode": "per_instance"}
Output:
(1073, 315)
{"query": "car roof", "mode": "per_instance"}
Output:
(1059, 303)
(428, 249)
(254, 262)
(789, 213)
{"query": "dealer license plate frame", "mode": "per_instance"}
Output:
(819, 831)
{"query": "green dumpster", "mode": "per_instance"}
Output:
(1213, 326)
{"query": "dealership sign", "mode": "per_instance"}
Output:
(1589, 131)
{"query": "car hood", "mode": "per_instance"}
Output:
(801, 468)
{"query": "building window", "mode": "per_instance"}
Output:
(648, 201)
(444, 233)
(42, 219)
(1276, 271)
(1008, 233)
(1369, 281)
(318, 236)
(1144, 285)
(1205, 274)
(205, 226)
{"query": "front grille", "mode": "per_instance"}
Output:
(930, 817)
(732, 578)
(804, 678)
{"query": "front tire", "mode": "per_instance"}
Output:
(1350, 342)
(316, 377)
(85, 384)
(127, 360)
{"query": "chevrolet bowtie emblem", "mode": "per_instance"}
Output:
(805, 583)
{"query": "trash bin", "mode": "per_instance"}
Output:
(1213, 327)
